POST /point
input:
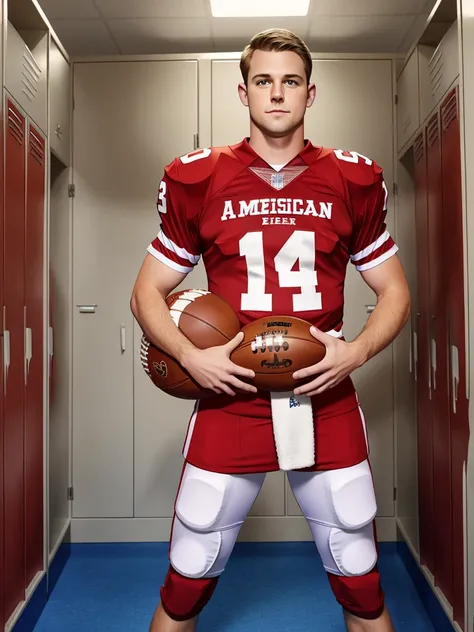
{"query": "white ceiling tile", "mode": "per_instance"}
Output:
(358, 34)
(148, 37)
(85, 37)
(153, 8)
(243, 29)
(69, 9)
(366, 7)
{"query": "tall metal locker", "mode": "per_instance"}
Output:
(14, 335)
(34, 369)
(454, 262)
(442, 531)
(422, 355)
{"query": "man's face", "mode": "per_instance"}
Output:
(277, 93)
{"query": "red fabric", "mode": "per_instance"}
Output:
(220, 441)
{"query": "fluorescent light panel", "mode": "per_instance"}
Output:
(258, 8)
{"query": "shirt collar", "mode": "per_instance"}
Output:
(247, 155)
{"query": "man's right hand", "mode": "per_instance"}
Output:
(213, 369)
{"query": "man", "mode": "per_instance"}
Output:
(276, 220)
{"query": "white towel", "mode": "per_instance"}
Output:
(292, 417)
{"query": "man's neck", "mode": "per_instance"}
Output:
(276, 151)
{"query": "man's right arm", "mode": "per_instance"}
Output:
(154, 282)
(211, 368)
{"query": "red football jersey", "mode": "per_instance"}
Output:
(275, 242)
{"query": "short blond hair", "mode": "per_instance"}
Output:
(276, 40)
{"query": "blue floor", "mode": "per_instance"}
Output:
(266, 587)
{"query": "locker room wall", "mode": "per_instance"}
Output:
(59, 347)
(126, 444)
(430, 175)
(467, 148)
(24, 430)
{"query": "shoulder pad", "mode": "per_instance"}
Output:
(196, 166)
(357, 168)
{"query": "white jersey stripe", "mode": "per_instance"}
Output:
(171, 264)
(379, 260)
(181, 252)
(372, 247)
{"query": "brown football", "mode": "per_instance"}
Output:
(275, 347)
(204, 318)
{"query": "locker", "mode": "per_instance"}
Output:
(452, 200)
(35, 196)
(2, 617)
(422, 369)
(14, 297)
(438, 327)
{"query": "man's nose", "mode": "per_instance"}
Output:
(277, 92)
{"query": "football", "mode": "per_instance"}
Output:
(207, 321)
(275, 347)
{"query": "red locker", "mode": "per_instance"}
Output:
(35, 199)
(442, 526)
(14, 296)
(425, 448)
(454, 261)
(2, 577)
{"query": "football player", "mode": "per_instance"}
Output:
(281, 218)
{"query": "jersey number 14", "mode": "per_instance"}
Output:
(300, 247)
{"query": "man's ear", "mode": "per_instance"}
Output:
(243, 94)
(311, 95)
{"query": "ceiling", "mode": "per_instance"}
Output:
(134, 27)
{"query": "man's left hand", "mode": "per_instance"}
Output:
(340, 360)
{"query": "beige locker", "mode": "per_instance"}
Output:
(60, 103)
(353, 110)
(408, 110)
(438, 69)
(26, 71)
(141, 116)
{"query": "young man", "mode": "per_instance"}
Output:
(276, 220)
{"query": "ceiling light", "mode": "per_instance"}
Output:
(258, 8)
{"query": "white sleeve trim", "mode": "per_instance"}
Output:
(171, 264)
(372, 247)
(181, 252)
(379, 260)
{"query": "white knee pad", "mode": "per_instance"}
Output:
(210, 509)
(340, 506)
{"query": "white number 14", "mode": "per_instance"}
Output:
(299, 247)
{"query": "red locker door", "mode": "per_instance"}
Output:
(35, 198)
(454, 262)
(2, 582)
(14, 294)
(442, 527)
(425, 451)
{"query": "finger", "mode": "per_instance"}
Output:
(326, 339)
(319, 367)
(314, 385)
(250, 388)
(235, 342)
(225, 389)
(240, 370)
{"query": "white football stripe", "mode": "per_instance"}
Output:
(181, 252)
(171, 264)
(379, 260)
(372, 247)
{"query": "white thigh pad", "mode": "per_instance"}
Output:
(343, 498)
(210, 509)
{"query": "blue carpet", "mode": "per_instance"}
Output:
(266, 587)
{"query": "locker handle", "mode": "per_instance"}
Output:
(6, 357)
(122, 338)
(454, 374)
(433, 362)
(415, 355)
(50, 341)
(28, 350)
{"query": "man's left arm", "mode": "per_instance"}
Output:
(391, 312)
